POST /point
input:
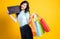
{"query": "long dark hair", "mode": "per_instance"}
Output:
(27, 8)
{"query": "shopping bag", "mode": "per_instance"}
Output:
(39, 28)
(32, 26)
(13, 9)
(44, 25)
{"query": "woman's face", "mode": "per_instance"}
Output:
(23, 6)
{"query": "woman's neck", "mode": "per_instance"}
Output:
(23, 10)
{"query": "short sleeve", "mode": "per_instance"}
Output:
(27, 16)
(17, 15)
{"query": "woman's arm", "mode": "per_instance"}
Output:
(14, 19)
(28, 17)
(31, 17)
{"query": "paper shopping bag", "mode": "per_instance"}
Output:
(32, 26)
(13, 9)
(39, 28)
(44, 25)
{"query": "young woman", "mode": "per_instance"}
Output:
(23, 18)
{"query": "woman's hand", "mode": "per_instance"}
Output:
(31, 18)
(14, 19)
(38, 16)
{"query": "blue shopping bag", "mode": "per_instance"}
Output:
(39, 29)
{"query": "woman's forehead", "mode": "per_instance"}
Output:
(24, 3)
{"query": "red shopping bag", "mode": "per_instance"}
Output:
(44, 25)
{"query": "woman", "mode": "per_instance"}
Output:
(23, 19)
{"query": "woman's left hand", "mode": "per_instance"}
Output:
(30, 18)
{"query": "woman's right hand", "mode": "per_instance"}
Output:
(14, 19)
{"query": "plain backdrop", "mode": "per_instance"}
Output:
(47, 9)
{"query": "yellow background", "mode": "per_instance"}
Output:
(47, 9)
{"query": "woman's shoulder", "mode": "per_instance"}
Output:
(27, 13)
